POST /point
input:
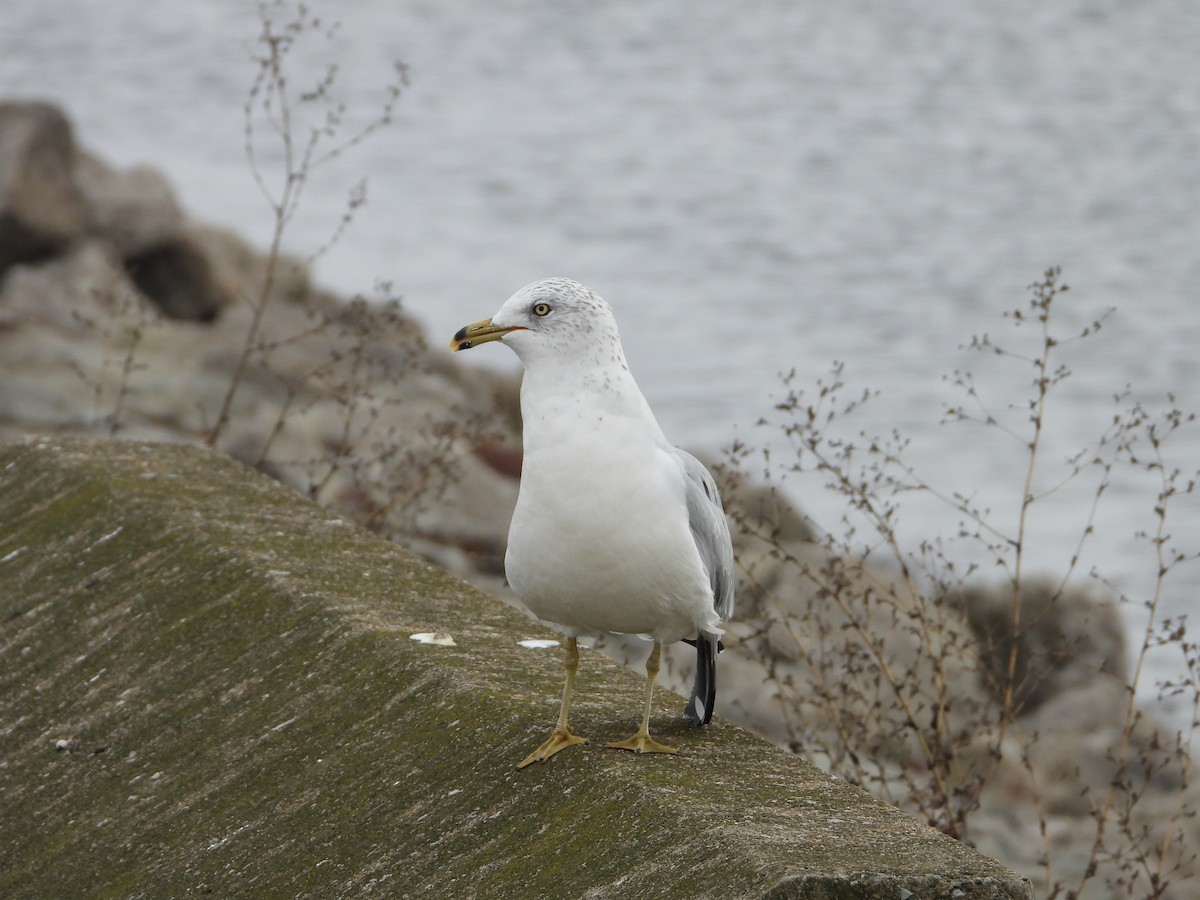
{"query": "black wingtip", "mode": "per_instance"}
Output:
(704, 691)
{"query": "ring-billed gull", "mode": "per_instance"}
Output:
(615, 530)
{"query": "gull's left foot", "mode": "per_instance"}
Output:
(642, 743)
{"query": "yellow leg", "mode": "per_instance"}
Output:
(642, 742)
(561, 736)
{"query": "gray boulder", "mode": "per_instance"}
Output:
(1062, 638)
(41, 208)
(134, 210)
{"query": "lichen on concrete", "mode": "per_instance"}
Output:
(209, 687)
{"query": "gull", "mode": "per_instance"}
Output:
(615, 530)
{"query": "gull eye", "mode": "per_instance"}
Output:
(541, 309)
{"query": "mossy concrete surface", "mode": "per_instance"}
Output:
(208, 686)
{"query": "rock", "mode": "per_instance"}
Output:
(75, 293)
(1066, 639)
(51, 195)
(179, 279)
(41, 209)
(134, 210)
(213, 689)
(1048, 788)
(241, 269)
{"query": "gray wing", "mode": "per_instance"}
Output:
(710, 530)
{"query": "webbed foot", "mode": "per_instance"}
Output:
(560, 739)
(642, 743)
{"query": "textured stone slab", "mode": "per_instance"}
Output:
(208, 685)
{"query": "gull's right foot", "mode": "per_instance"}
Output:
(560, 739)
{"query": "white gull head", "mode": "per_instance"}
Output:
(556, 317)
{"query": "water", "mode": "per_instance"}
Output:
(755, 190)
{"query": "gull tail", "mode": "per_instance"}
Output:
(704, 692)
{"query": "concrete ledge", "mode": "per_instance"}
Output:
(208, 686)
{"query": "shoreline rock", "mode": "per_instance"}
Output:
(41, 207)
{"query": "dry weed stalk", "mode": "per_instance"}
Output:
(886, 682)
(122, 321)
(273, 103)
